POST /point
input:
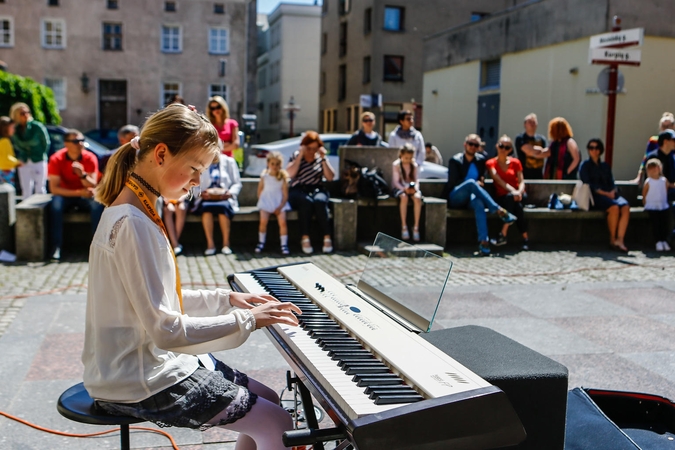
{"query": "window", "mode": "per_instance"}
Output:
(112, 4)
(367, 20)
(112, 36)
(170, 6)
(53, 2)
(218, 42)
(393, 18)
(366, 70)
(58, 85)
(171, 39)
(53, 33)
(275, 74)
(218, 89)
(322, 83)
(6, 31)
(222, 68)
(343, 39)
(169, 89)
(345, 7)
(262, 78)
(324, 43)
(393, 68)
(334, 120)
(490, 74)
(324, 7)
(342, 82)
(219, 8)
(274, 113)
(275, 36)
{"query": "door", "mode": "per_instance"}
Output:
(112, 104)
(488, 121)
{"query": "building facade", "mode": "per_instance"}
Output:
(537, 61)
(288, 71)
(376, 47)
(112, 62)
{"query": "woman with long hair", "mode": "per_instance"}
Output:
(562, 154)
(228, 129)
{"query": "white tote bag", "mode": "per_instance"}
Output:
(582, 196)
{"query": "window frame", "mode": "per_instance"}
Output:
(53, 3)
(169, 9)
(43, 33)
(219, 8)
(63, 104)
(180, 37)
(342, 82)
(324, 43)
(367, 64)
(367, 21)
(227, 41)
(211, 93)
(483, 80)
(10, 20)
(162, 91)
(110, 3)
(121, 36)
(342, 52)
(384, 69)
(401, 19)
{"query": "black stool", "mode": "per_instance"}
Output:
(75, 404)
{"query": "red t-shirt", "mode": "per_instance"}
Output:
(225, 132)
(62, 166)
(510, 177)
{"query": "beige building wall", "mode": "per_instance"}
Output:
(557, 81)
(141, 62)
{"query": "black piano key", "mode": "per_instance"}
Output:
(342, 346)
(360, 370)
(388, 389)
(347, 362)
(336, 356)
(386, 379)
(362, 363)
(395, 399)
(396, 390)
(324, 343)
(327, 333)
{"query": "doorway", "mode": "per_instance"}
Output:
(112, 104)
(488, 121)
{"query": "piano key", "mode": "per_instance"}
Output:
(363, 363)
(367, 370)
(405, 390)
(347, 362)
(387, 379)
(341, 346)
(396, 399)
(389, 388)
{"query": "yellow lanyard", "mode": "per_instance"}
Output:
(150, 209)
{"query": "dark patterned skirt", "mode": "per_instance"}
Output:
(194, 401)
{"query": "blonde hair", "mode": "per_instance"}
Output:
(176, 126)
(666, 117)
(367, 114)
(5, 123)
(16, 109)
(473, 136)
(223, 104)
(531, 116)
(653, 162)
(277, 156)
(407, 149)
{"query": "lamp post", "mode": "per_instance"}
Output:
(291, 108)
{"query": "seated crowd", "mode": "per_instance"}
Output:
(73, 173)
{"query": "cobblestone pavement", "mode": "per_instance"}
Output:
(544, 266)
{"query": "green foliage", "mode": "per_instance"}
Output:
(39, 98)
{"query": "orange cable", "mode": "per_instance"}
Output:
(63, 433)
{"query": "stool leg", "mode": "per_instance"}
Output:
(124, 437)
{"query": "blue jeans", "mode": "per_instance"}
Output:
(60, 205)
(470, 193)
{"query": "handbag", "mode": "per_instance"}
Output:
(582, 196)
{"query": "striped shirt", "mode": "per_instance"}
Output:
(309, 173)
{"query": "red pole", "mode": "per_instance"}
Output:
(611, 101)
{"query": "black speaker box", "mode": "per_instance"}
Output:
(535, 384)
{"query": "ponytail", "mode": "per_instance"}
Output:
(116, 173)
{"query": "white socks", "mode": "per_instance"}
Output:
(262, 237)
(284, 239)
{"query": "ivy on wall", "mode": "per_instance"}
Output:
(39, 98)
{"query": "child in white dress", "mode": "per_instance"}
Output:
(655, 199)
(273, 199)
(405, 173)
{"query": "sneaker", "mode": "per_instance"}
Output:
(526, 245)
(306, 247)
(327, 246)
(484, 249)
(416, 234)
(666, 247)
(405, 235)
(508, 217)
(178, 250)
(226, 250)
(56, 256)
(659, 246)
(209, 252)
(259, 248)
(501, 240)
(284, 250)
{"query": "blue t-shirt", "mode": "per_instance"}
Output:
(472, 173)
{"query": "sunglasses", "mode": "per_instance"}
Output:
(75, 141)
(593, 147)
(367, 120)
(504, 146)
(24, 113)
(473, 144)
(409, 119)
(215, 108)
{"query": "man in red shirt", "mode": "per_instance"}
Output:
(72, 174)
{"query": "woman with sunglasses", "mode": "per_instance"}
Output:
(509, 183)
(228, 129)
(31, 144)
(366, 136)
(598, 175)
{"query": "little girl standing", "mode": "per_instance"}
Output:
(8, 161)
(655, 199)
(273, 199)
(406, 185)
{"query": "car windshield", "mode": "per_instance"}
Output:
(95, 147)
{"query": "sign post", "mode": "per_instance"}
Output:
(602, 50)
(291, 108)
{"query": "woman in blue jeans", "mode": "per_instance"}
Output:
(465, 189)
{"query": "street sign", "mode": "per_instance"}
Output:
(617, 39)
(603, 81)
(630, 57)
(365, 100)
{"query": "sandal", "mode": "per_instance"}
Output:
(306, 246)
(405, 235)
(285, 250)
(259, 248)
(416, 234)
(327, 245)
(209, 252)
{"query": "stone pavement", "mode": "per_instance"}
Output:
(608, 317)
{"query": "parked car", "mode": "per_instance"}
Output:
(431, 171)
(106, 137)
(57, 133)
(256, 156)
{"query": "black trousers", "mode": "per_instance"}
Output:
(309, 201)
(659, 219)
(516, 208)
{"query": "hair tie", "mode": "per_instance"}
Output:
(136, 143)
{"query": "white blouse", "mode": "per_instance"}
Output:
(137, 341)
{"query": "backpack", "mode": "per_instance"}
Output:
(349, 180)
(371, 184)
